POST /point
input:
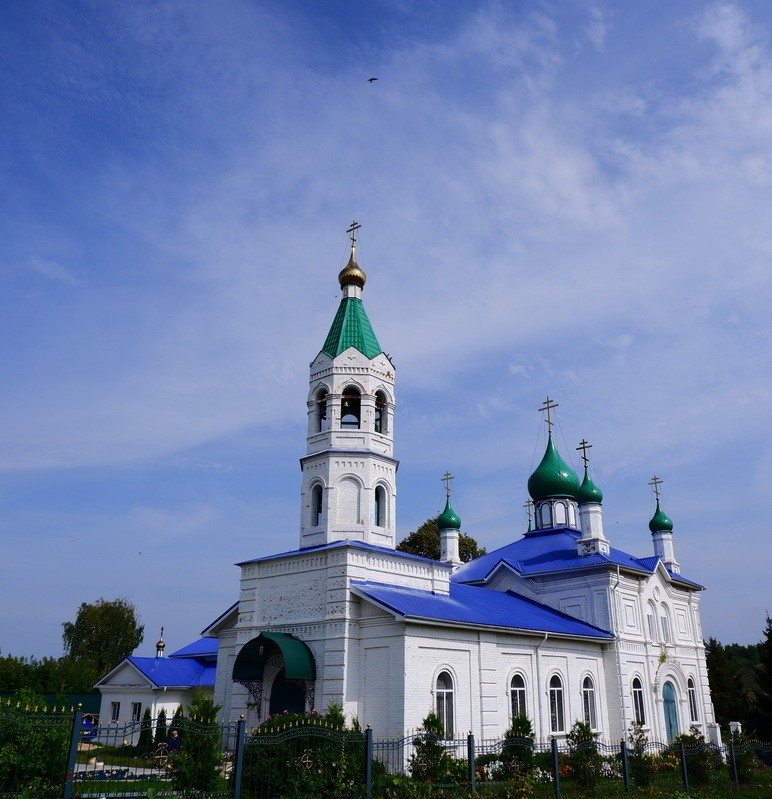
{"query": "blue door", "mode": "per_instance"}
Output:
(671, 712)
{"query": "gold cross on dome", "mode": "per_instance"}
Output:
(656, 483)
(446, 478)
(352, 231)
(584, 446)
(548, 406)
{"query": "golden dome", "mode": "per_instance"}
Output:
(351, 274)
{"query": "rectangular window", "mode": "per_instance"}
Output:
(652, 627)
(115, 711)
(665, 630)
(136, 711)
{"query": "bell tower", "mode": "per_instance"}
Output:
(349, 473)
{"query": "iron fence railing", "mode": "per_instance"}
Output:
(51, 754)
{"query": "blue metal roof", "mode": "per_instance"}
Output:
(553, 551)
(175, 672)
(336, 545)
(203, 648)
(471, 605)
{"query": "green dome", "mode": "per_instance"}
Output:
(553, 477)
(588, 492)
(660, 522)
(448, 519)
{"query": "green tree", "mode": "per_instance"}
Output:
(160, 728)
(730, 702)
(425, 541)
(762, 699)
(145, 743)
(103, 633)
(196, 765)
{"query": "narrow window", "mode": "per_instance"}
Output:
(380, 507)
(560, 513)
(692, 691)
(350, 409)
(556, 705)
(517, 696)
(572, 515)
(316, 506)
(445, 702)
(652, 626)
(136, 711)
(545, 512)
(638, 711)
(665, 629)
(588, 703)
(321, 412)
(380, 412)
(115, 711)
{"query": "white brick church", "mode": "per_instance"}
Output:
(557, 625)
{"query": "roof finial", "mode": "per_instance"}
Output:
(548, 406)
(655, 482)
(160, 646)
(446, 478)
(584, 446)
(528, 505)
(351, 274)
(352, 231)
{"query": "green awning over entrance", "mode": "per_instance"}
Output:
(298, 660)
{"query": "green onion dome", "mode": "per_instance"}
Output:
(588, 492)
(660, 522)
(553, 477)
(448, 519)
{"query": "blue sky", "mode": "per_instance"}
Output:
(568, 198)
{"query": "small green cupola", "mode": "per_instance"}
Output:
(553, 478)
(660, 521)
(448, 519)
(588, 492)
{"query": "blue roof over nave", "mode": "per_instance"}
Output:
(470, 605)
(553, 551)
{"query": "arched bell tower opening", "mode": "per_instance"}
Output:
(285, 665)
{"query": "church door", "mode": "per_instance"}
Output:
(671, 713)
(286, 695)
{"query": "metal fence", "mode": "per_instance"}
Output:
(52, 754)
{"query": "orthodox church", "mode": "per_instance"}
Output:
(558, 625)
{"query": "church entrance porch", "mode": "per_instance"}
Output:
(285, 666)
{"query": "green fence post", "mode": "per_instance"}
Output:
(470, 760)
(625, 766)
(238, 758)
(368, 762)
(733, 762)
(556, 767)
(77, 723)
(684, 771)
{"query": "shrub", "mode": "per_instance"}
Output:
(196, 766)
(585, 762)
(640, 763)
(430, 760)
(701, 757)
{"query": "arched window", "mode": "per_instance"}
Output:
(692, 692)
(588, 703)
(316, 505)
(665, 620)
(557, 724)
(444, 695)
(560, 513)
(572, 514)
(545, 515)
(321, 411)
(517, 696)
(380, 412)
(651, 619)
(639, 714)
(380, 507)
(350, 409)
